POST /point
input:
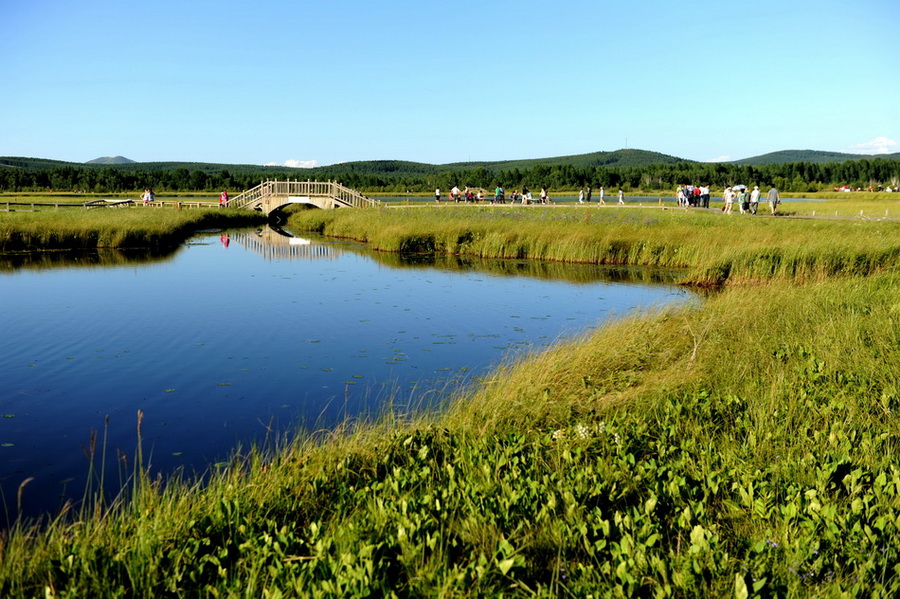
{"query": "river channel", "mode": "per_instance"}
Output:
(246, 335)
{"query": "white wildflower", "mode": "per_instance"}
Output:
(582, 432)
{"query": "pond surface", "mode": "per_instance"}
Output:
(240, 336)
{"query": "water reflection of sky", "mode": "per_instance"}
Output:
(221, 344)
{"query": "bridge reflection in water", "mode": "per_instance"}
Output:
(274, 244)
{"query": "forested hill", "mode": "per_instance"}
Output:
(618, 158)
(812, 156)
(629, 158)
(626, 169)
(394, 168)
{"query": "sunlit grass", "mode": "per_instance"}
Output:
(109, 227)
(741, 447)
(716, 248)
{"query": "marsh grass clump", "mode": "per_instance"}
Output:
(110, 228)
(715, 249)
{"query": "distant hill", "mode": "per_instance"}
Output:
(394, 168)
(812, 156)
(111, 160)
(630, 158)
(617, 158)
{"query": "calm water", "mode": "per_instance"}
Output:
(231, 338)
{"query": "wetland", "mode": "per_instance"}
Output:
(241, 336)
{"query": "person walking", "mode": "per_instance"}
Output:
(437, 195)
(774, 199)
(728, 196)
(754, 199)
(581, 196)
(602, 193)
(223, 200)
(704, 196)
(743, 202)
(588, 195)
(621, 198)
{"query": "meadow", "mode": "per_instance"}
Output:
(745, 446)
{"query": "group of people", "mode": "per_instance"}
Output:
(690, 195)
(500, 197)
(748, 202)
(686, 195)
(148, 196)
(585, 196)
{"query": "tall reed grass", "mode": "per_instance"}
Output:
(110, 228)
(716, 248)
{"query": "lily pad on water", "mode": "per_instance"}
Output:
(9, 415)
(8, 445)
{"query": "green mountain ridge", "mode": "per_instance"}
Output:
(812, 156)
(623, 158)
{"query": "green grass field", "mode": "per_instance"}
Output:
(742, 447)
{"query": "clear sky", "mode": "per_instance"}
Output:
(318, 82)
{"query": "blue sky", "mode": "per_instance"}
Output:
(301, 82)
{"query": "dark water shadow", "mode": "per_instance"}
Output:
(94, 258)
(271, 241)
(539, 269)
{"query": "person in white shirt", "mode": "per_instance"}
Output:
(754, 199)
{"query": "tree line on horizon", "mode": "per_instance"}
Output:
(372, 177)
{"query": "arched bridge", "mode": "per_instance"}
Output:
(270, 196)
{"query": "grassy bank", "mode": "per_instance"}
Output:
(674, 454)
(746, 447)
(715, 247)
(110, 228)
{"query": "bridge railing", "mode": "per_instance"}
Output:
(330, 189)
